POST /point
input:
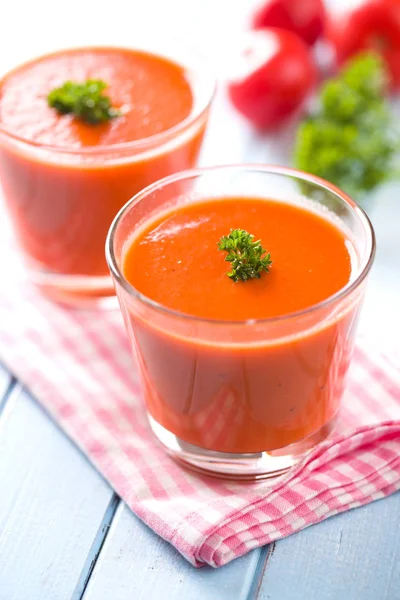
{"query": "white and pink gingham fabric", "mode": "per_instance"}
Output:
(78, 365)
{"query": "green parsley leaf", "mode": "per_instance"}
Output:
(248, 258)
(85, 100)
(351, 139)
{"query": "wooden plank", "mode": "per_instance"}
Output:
(136, 563)
(355, 555)
(54, 507)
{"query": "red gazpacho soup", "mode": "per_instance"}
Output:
(246, 395)
(64, 179)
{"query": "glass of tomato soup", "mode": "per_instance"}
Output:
(240, 295)
(81, 131)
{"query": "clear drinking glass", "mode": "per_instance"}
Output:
(62, 200)
(205, 382)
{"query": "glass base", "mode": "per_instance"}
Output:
(241, 467)
(81, 291)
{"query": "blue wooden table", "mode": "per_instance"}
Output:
(64, 535)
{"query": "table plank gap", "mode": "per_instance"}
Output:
(7, 382)
(7, 394)
(336, 559)
(96, 548)
(136, 563)
(265, 553)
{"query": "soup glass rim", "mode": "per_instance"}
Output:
(144, 143)
(344, 291)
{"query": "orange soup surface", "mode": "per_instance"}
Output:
(175, 261)
(241, 394)
(153, 93)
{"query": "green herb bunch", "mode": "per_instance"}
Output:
(351, 139)
(248, 258)
(85, 100)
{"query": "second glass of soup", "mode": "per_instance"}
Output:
(64, 179)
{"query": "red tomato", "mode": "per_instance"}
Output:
(373, 25)
(276, 74)
(304, 17)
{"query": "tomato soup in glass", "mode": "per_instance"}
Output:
(65, 179)
(241, 378)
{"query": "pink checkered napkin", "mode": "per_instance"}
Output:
(78, 364)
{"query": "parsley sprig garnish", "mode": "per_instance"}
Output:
(248, 258)
(85, 100)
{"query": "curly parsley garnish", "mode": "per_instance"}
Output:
(85, 100)
(248, 258)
